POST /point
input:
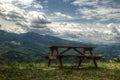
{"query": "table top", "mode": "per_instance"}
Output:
(66, 46)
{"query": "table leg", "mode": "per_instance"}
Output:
(80, 61)
(60, 61)
(49, 62)
(95, 63)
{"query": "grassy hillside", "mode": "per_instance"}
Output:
(32, 71)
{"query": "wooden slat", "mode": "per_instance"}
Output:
(51, 57)
(71, 47)
(78, 55)
(74, 55)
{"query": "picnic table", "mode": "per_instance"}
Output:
(55, 53)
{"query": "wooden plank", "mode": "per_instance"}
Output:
(74, 55)
(51, 57)
(87, 47)
(78, 55)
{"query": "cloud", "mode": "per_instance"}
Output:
(45, 1)
(11, 27)
(60, 16)
(100, 13)
(25, 13)
(28, 15)
(66, 0)
(102, 10)
(34, 19)
(115, 29)
(84, 2)
(89, 32)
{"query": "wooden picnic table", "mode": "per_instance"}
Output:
(55, 53)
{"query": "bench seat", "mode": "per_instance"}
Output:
(51, 57)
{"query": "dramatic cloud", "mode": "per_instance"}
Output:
(103, 10)
(95, 33)
(94, 21)
(12, 27)
(22, 12)
(34, 19)
(115, 30)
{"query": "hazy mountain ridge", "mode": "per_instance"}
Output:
(31, 47)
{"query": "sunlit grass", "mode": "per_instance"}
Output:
(87, 71)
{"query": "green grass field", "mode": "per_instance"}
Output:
(87, 71)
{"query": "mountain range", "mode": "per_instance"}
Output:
(32, 47)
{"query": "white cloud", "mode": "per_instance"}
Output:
(61, 15)
(103, 10)
(115, 29)
(25, 13)
(36, 19)
(84, 2)
(11, 27)
(100, 13)
(90, 32)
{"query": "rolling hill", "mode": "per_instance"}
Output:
(31, 47)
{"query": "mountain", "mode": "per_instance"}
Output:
(109, 51)
(32, 47)
(28, 47)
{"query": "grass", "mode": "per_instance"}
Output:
(32, 71)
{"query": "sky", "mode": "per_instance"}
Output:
(96, 21)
